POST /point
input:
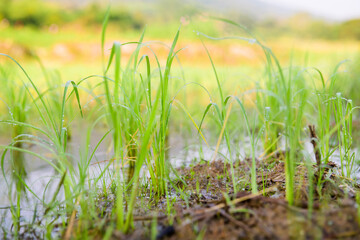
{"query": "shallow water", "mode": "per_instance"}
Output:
(43, 180)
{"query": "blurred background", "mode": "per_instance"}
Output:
(65, 34)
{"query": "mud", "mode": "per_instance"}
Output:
(214, 211)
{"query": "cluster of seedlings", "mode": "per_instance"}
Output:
(285, 190)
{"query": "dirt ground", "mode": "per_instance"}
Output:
(213, 211)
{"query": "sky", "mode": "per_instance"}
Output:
(330, 9)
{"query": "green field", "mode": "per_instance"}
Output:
(110, 129)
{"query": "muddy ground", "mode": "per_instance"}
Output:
(213, 211)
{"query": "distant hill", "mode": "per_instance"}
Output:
(255, 8)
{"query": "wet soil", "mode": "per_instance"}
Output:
(213, 211)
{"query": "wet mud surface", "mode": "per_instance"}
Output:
(213, 211)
